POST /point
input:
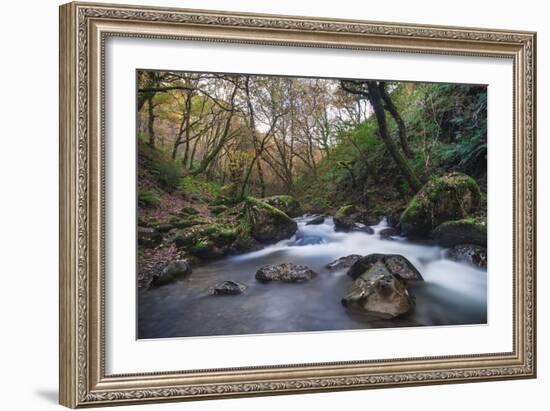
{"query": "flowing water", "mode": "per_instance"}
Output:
(452, 293)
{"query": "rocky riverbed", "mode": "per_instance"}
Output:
(320, 278)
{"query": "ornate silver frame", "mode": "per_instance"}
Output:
(83, 30)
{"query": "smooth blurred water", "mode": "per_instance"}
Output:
(452, 293)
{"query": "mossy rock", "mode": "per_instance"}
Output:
(245, 242)
(469, 253)
(186, 222)
(465, 231)
(347, 217)
(451, 197)
(346, 211)
(207, 241)
(266, 223)
(148, 237)
(287, 204)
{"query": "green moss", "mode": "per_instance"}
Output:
(477, 224)
(288, 204)
(147, 198)
(345, 211)
(267, 223)
(199, 188)
(158, 166)
(453, 196)
(282, 198)
(216, 234)
(207, 241)
(253, 201)
(469, 230)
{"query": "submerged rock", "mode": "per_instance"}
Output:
(464, 231)
(148, 237)
(379, 293)
(228, 288)
(347, 217)
(267, 224)
(388, 233)
(450, 197)
(316, 220)
(363, 229)
(352, 218)
(287, 204)
(343, 262)
(396, 265)
(286, 272)
(171, 272)
(302, 239)
(469, 253)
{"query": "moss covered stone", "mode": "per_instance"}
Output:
(287, 204)
(207, 241)
(148, 237)
(464, 231)
(346, 211)
(347, 217)
(450, 197)
(266, 223)
(187, 221)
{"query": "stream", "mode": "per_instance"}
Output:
(452, 293)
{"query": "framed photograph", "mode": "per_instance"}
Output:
(259, 204)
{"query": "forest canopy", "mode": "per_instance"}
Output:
(326, 141)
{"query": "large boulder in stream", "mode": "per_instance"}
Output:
(395, 264)
(451, 197)
(379, 294)
(352, 218)
(228, 288)
(463, 231)
(343, 262)
(171, 272)
(266, 223)
(286, 272)
(287, 204)
(388, 233)
(469, 253)
(320, 219)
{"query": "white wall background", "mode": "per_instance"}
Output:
(28, 204)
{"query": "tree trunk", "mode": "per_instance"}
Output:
(375, 98)
(223, 138)
(151, 121)
(261, 177)
(398, 119)
(188, 102)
